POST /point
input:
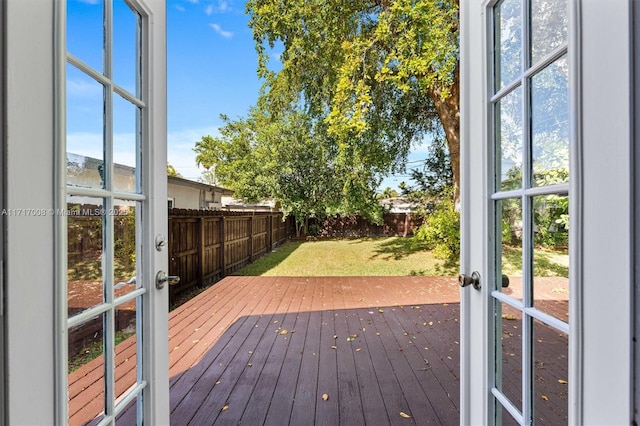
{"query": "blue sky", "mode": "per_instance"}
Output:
(211, 70)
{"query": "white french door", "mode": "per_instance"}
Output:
(547, 212)
(113, 368)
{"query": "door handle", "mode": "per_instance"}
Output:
(474, 279)
(162, 278)
(505, 281)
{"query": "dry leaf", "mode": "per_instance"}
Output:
(544, 397)
(325, 397)
(404, 415)
(196, 341)
(284, 332)
(226, 407)
(562, 382)
(508, 317)
(334, 347)
(249, 365)
(381, 310)
(218, 382)
(335, 336)
(358, 350)
(430, 322)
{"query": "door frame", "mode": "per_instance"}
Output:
(601, 209)
(3, 142)
(153, 327)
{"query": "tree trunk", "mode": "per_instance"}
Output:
(449, 113)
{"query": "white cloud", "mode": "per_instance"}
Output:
(180, 150)
(83, 88)
(180, 146)
(180, 8)
(89, 1)
(217, 28)
(221, 7)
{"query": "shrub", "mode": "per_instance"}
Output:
(441, 231)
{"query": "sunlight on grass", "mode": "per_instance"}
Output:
(394, 256)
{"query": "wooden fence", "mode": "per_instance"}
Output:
(394, 224)
(205, 245)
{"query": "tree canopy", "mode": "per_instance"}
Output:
(377, 74)
(285, 158)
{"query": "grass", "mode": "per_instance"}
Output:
(393, 256)
(385, 257)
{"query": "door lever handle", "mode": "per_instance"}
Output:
(162, 278)
(466, 280)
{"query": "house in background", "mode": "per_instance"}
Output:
(397, 205)
(236, 205)
(187, 194)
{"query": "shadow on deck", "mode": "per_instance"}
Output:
(316, 350)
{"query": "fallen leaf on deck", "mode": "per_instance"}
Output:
(430, 322)
(563, 382)
(226, 407)
(404, 415)
(325, 397)
(358, 350)
(284, 332)
(381, 310)
(218, 382)
(544, 397)
(334, 347)
(249, 365)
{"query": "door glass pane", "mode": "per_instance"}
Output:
(509, 219)
(509, 133)
(509, 362)
(126, 348)
(508, 36)
(125, 46)
(125, 248)
(86, 371)
(125, 144)
(506, 419)
(549, 23)
(550, 124)
(551, 375)
(85, 227)
(551, 255)
(85, 31)
(85, 130)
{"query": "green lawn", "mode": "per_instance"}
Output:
(384, 257)
(350, 257)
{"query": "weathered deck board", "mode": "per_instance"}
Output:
(377, 346)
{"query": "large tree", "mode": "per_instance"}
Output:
(286, 159)
(379, 74)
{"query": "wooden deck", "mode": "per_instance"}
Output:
(303, 351)
(265, 350)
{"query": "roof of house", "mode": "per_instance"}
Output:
(199, 185)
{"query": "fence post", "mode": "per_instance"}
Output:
(250, 239)
(223, 259)
(201, 265)
(269, 233)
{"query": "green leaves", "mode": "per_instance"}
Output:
(366, 70)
